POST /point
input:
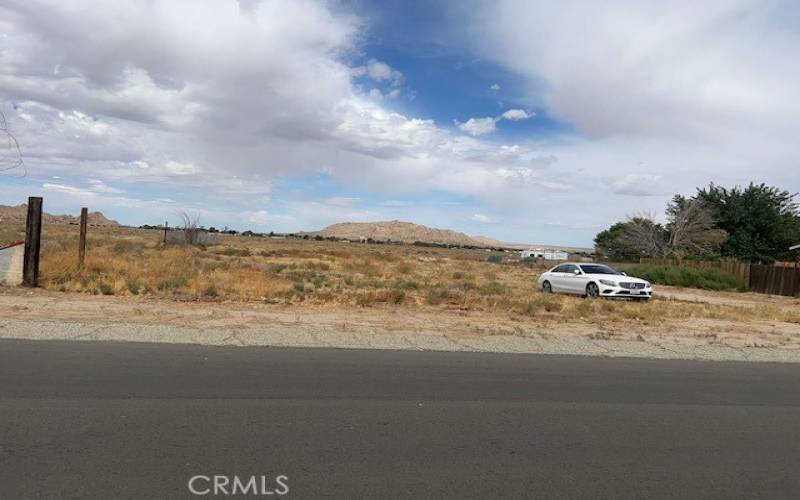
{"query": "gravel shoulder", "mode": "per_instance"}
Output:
(36, 314)
(739, 299)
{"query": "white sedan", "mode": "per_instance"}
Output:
(594, 280)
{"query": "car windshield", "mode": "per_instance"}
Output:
(598, 269)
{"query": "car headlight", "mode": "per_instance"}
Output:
(647, 284)
(608, 282)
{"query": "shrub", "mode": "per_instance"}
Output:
(407, 285)
(172, 283)
(466, 286)
(529, 309)
(106, 289)
(300, 275)
(439, 294)
(277, 268)
(210, 292)
(363, 266)
(495, 259)
(132, 286)
(235, 252)
(493, 288)
(461, 275)
(319, 280)
(318, 266)
(383, 296)
(707, 279)
(128, 247)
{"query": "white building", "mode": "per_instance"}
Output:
(544, 253)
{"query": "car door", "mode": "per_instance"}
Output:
(574, 283)
(557, 278)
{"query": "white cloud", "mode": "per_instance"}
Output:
(177, 168)
(99, 186)
(224, 114)
(517, 114)
(481, 218)
(261, 219)
(378, 71)
(647, 71)
(229, 124)
(342, 201)
(65, 188)
(702, 77)
(495, 87)
(478, 126)
(487, 125)
(638, 185)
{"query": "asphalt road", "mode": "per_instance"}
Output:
(111, 420)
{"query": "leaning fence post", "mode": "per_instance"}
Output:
(82, 241)
(33, 237)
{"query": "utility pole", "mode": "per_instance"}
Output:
(166, 228)
(33, 240)
(82, 241)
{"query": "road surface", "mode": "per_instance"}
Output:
(105, 420)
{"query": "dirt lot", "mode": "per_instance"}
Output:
(252, 284)
(412, 327)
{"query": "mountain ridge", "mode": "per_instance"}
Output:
(395, 230)
(18, 213)
(410, 232)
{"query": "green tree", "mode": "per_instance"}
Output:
(605, 244)
(762, 221)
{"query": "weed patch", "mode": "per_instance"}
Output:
(707, 279)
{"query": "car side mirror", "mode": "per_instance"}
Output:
(624, 273)
(576, 272)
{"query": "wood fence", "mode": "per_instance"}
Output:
(779, 279)
(776, 280)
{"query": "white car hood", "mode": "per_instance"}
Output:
(617, 278)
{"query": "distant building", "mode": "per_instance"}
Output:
(544, 253)
(192, 237)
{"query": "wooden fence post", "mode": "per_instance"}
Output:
(82, 241)
(33, 237)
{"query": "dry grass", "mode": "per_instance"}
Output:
(124, 261)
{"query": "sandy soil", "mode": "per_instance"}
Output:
(404, 327)
(748, 299)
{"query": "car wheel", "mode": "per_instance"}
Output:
(546, 287)
(592, 290)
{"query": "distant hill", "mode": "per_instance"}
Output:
(491, 242)
(19, 213)
(406, 232)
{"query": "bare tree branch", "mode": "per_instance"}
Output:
(11, 154)
(191, 224)
(691, 228)
(644, 236)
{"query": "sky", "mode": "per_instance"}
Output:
(523, 120)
